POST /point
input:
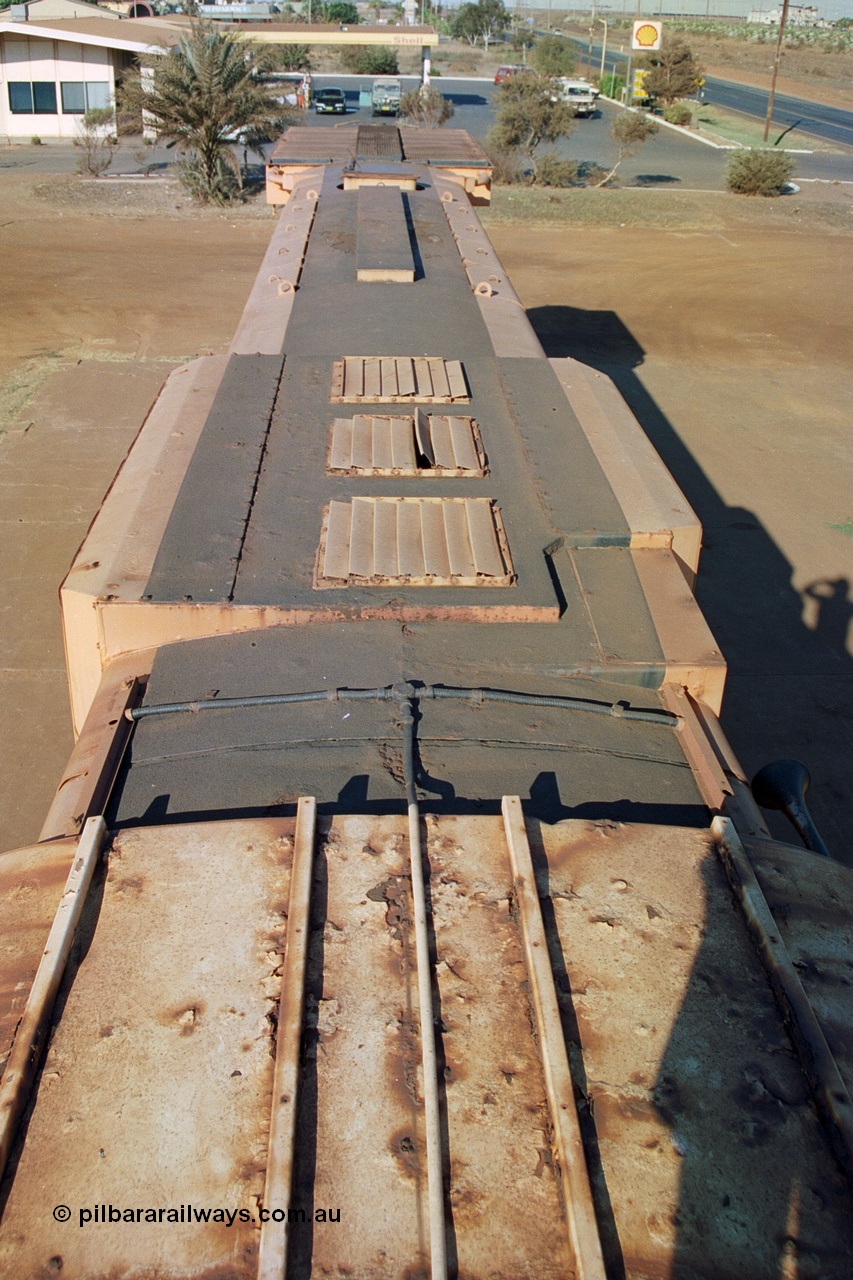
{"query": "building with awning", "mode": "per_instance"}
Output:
(53, 69)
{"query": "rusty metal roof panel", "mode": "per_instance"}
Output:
(703, 1123)
(303, 145)
(458, 541)
(379, 140)
(442, 147)
(156, 1084)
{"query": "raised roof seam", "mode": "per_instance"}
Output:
(251, 503)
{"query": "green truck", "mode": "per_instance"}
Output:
(385, 97)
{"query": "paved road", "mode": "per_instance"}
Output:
(672, 158)
(829, 123)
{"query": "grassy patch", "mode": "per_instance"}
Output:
(730, 126)
(666, 210)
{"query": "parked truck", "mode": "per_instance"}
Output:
(579, 93)
(385, 98)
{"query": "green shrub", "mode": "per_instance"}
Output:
(554, 56)
(756, 172)
(369, 60)
(678, 113)
(612, 85)
(35, 140)
(551, 171)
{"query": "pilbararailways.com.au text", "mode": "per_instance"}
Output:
(106, 1214)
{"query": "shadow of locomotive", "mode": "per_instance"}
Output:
(788, 683)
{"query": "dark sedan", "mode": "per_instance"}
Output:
(334, 100)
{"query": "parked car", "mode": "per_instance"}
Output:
(332, 99)
(580, 94)
(507, 72)
(385, 97)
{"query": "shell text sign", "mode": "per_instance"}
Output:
(647, 36)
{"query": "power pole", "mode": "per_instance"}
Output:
(776, 62)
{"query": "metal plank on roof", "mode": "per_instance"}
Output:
(382, 457)
(340, 456)
(372, 377)
(464, 449)
(336, 558)
(353, 377)
(402, 432)
(362, 442)
(458, 540)
(436, 561)
(405, 376)
(456, 380)
(385, 539)
(483, 538)
(361, 538)
(410, 546)
(423, 379)
(390, 386)
(423, 436)
(442, 441)
(440, 383)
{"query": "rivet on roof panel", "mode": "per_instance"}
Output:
(430, 446)
(422, 542)
(390, 379)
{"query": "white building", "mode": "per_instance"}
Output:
(53, 69)
(799, 15)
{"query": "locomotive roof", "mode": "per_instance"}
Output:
(253, 527)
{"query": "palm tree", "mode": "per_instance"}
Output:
(203, 95)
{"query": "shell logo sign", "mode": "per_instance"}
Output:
(647, 36)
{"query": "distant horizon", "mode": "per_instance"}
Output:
(831, 10)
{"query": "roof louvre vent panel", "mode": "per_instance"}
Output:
(440, 542)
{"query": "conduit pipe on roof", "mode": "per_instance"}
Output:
(618, 710)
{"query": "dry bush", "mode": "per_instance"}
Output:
(756, 172)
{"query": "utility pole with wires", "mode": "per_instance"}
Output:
(776, 62)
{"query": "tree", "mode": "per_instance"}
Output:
(201, 95)
(554, 56)
(369, 60)
(529, 112)
(672, 73)
(631, 130)
(291, 57)
(486, 20)
(754, 172)
(96, 140)
(426, 106)
(341, 11)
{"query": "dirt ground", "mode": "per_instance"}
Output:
(725, 324)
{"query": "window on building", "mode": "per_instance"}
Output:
(32, 98)
(79, 96)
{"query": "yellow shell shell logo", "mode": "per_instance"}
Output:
(647, 36)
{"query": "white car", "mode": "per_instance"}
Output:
(579, 93)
